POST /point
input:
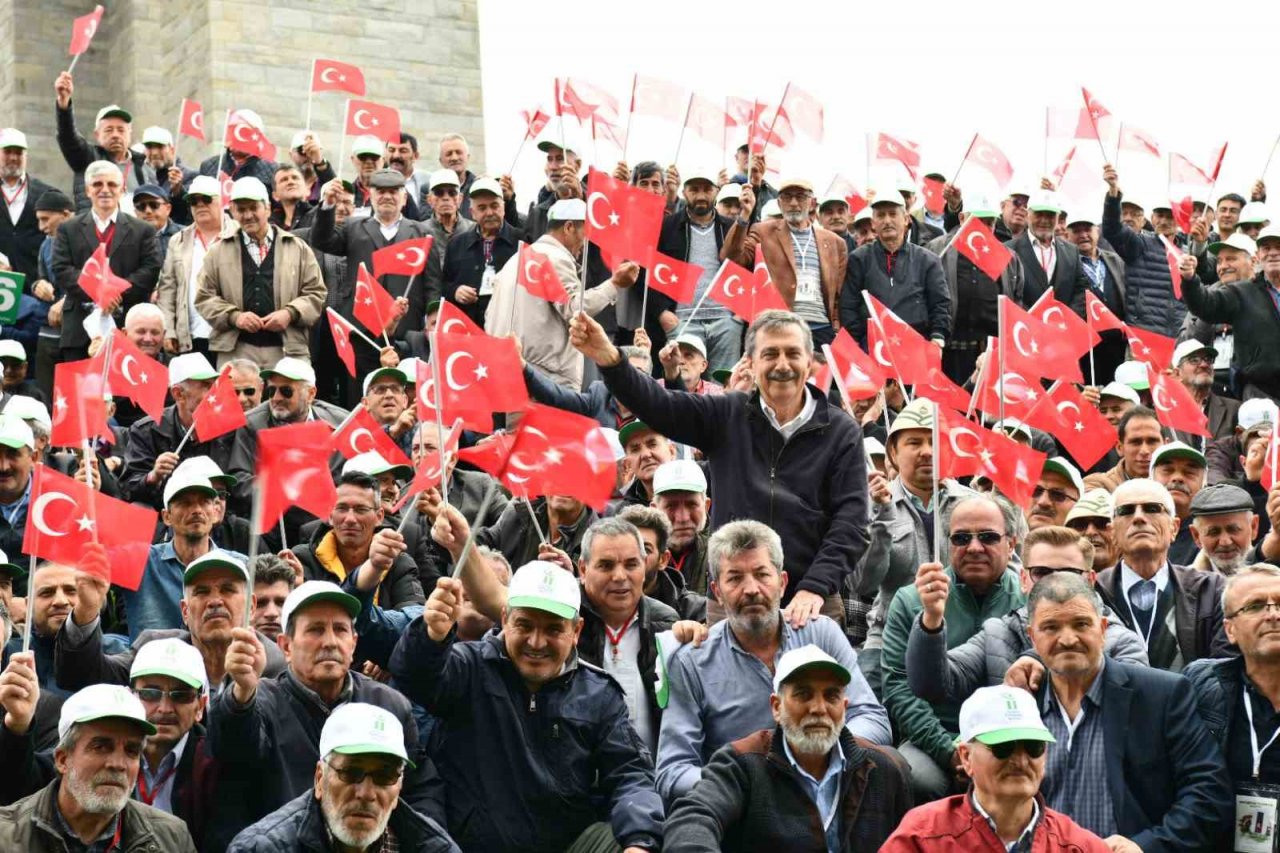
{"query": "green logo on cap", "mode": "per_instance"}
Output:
(1010, 703)
(380, 725)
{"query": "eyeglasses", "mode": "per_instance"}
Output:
(962, 538)
(197, 200)
(1016, 202)
(1254, 608)
(368, 158)
(1147, 507)
(380, 390)
(1197, 358)
(154, 695)
(285, 391)
(249, 391)
(1039, 572)
(384, 778)
(1058, 496)
(358, 511)
(147, 205)
(1003, 751)
(1080, 525)
(447, 192)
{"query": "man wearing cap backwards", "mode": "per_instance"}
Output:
(20, 233)
(1249, 307)
(151, 453)
(1180, 469)
(131, 250)
(1091, 518)
(260, 288)
(1134, 763)
(1194, 361)
(908, 279)
(1139, 435)
(474, 256)
(102, 733)
(805, 783)
(184, 328)
(267, 731)
(113, 134)
(1002, 745)
(354, 803)
(152, 205)
(1177, 611)
(1224, 527)
(237, 164)
(567, 746)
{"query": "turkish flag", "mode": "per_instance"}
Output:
(192, 121)
(1097, 112)
(451, 321)
(247, 139)
(895, 346)
(931, 188)
(341, 331)
(583, 101)
(365, 118)
(1183, 171)
(135, 375)
(671, 277)
(534, 121)
(903, 151)
(941, 390)
(560, 453)
(79, 408)
(1073, 420)
(1183, 209)
(621, 219)
(408, 257)
(490, 455)
(98, 281)
(1135, 139)
(362, 434)
(706, 119)
(225, 182)
(1173, 255)
(329, 75)
(802, 111)
(430, 473)
(1101, 318)
(856, 198)
(219, 412)
(961, 444)
(1061, 123)
(1064, 325)
(1061, 172)
(1021, 391)
(745, 293)
(985, 154)
(651, 96)
(83, 30)
(1014, 468)
(1174, 405)
(1217, 163)
(1272, 462)
(293, 470)
(980, 245)
(1154, 348)
(1035, 350)
(762, 130)
(537, 275)
(480, 373)
(857, 375)
(66, 516)
(374, 307)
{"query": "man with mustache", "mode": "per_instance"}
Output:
(112, 141)
(1091, 518)
(1181, 469)
(1059, 488)
(446, 222)
(354, 803)
(680, 493)
(1194, 361)
(102, 733)
(473, 258)
(20, 232)
(402, 156)
(1224, 526)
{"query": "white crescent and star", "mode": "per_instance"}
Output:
(515, 460)
(532, 270)
(295, 483)
(359, 123)
(450, 323)
(1049, 312)
(125, 372)
(657, 275)
(355, 435)
(448, 370)
(1014, 382)
(239, 137)
(41, 505)
(325, 78)
(418, 255)
(1157, 395)
(878, 353)
(1021, 326)
(425, 389)
(984, 248)
(591, 212)
(197, 120)
(730, 280)
(955, 445)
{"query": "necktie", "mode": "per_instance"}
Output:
(1142, 601)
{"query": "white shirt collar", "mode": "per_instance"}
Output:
(103, 224)
(1035, 816)
(1128, 578)
(790, 427)
(835, 763)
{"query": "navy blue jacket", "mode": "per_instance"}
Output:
(1148, 288)
(916, 290)
(299, 826)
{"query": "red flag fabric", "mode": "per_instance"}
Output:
(802, 111)
(1272, 463)
(1021, 391)
(135, 375)
(1173, 255)
(191, 123)
(534, 121)
(706, 119)
(856, 198)
(582, 100)
(859, 377)
(83, 30)
(247, 139)
(745, 293)
(98, 281)
(961, 445)
(430, 473)
(537, 275)
(293, 470)
(225, 182)
(1061, 172)
(1174, 405)
(560, 453)
(1183, 209)
(79, 411)
(621, 219)
(895, 346)
(1217, 163)
(651, 96)
(479, 374)
(362, 434)
(985, 154)
(1066, 326)
(1101, 317)
(490, 455)
(760, 119)
(1035, 350)
(941, 390)
(365, 118)
(903, 151)
(219, 412)
(408, 257)
(984, 250)
(66, 516)
(1151, 347)
(1183, 171)
(1061, 123)
(676, 279)
(341, 331)
(451, 321)
(329, 75)
(1014, 468)
(1097, 112)
(1073, 420)
(931, 188)
(374, 307)
(1136, 139)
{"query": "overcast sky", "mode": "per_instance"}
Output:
(932, 72)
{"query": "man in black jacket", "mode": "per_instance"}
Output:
(1048, 261)
(20, 236)
(112, 134)
(473, 258)
(782, 455)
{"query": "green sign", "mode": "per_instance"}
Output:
(10, 289)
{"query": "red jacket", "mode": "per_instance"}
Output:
(954, 824)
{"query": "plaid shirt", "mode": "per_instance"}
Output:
(1075, 776)
(387, 844)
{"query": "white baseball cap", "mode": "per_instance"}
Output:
(29, 409)
(291, 368)
(1177, 450)
(367, 145)
(1192, 346)
(300, 138)
(1133, 374)
(395, 373)
(443, 178)
(679, 475)
(688, 339)
(611, 436)
(249, 117)
(1254, 213)
(185, 480)
(803, 658)
(1237, 240)
(1015, 427)
(1066, 469)
(215, 559)
(1044, 201)
(203, 466)
(114, 111)
(1120, 391)
(873, 447)
(485, 185)
(887, 194)
(1095, 503)
(191, 365)
(995, 715)
(11, 137)
(249, 189)
(310, 592)
(771, 210)
(703, 173)
(103, 702)
(205, 185)
(373, 464)
(10, 348)
(171, 657)
(156, 135)
(567, 210)
(358, 728)
(15, 433)
(731, 191)
(540, 585)
(1259, 410)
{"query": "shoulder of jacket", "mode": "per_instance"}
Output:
(756, 743)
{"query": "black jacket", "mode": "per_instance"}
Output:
(80, 152)
(20, 241)
(464, 264)
(1255, 322)
(400, 586)
(467, 491)
(252, 167)
(1218, 685)
(1151, 303)
(811, 489)
(751, 798)
(526, 770)
(1069, 281)
(515, 536)
(299, 826)
(917, 290)
(148, 439)
(1196, 600)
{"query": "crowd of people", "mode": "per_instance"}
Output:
(783, 631)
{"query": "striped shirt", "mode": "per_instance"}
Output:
(1075, 776)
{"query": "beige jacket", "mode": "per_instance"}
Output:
(298, 287)
(542, 326)
(172, 295)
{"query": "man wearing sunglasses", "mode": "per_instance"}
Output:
(355, 802)
(1181, 469)
(184, 328)
(1091, 518)
(1055, 494)
(151, 203)
(1002, 747)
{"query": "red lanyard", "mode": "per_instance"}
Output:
(10, 199)
(115, 839)
(150, 797)
(615, 638)
(679, 564)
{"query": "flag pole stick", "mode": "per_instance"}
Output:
(311, 91)
(284, 544)
(773, 123)
(586, 257)
(644, 303)
(542, 537)
(74, 60)
(1270, 154)
(471, 537)
(342, 147)
(1088, 322)
(1115, 163)
(680, 331)
(255, 523)
(1093, 121)
(185, 436)
(626, 140)
(884, 410)
(977, 384)
(361, 334)
(937, 516)
(680, 141)
(222, 158)
(964, 159)
(724, 137)
(435, 379)
(956, 235)
(519, 150)
(409, 287)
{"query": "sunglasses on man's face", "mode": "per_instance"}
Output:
(154, 695)
(147, 205)
(1003, 751)
(962, 538)
(248, 391)
(1018, 202)
(198, 200)
(383, 777)
(285, 391)
(1147, 507)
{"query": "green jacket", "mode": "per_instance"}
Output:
(933, 727)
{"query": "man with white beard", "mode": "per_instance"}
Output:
(1224, 527)
(101, 734)
(355, 805)
(778, 785)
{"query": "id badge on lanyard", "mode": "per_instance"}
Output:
(486, 282)
(1256, 801)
